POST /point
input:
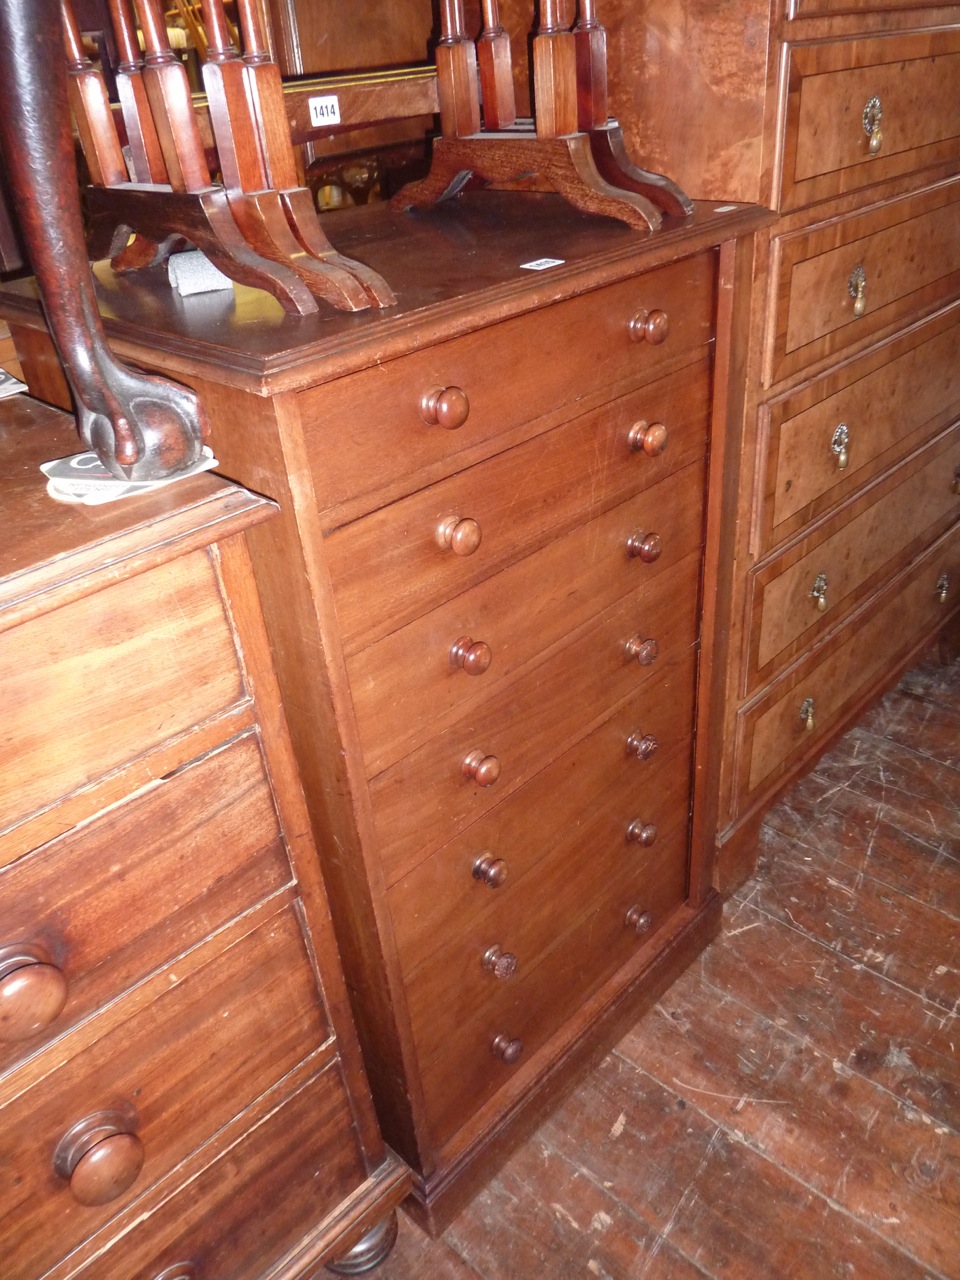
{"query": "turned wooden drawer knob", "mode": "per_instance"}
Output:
(807, 716)
(638, 920)
(644, 833)
(471, 656)
(650, 326)
(462, 537)
(101, 1157)
(445, 407)
(647, 437)
(32, 992)
(647, 547)
(484, 770)
(645, 651)
(943, 588)
(642, 745)
(502, 964)
(857, 288)
(490, 870)
(819, 592)
(506, 1049)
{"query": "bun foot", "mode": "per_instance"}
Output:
(368, 1252)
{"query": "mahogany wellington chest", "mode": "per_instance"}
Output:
(491, 595)
(181, 1095)
(844, 116)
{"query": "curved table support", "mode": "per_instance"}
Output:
(141, 428)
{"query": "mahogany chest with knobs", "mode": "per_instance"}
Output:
(490, 595)
(181, 1094)
(845, 117)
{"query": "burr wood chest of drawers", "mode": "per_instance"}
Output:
(180, 1087)
(490, 596)
(846, 118)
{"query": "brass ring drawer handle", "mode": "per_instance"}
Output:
(943, 588)
(32, 992)
(840, 446)
(649, 326)
(872, 115)
(446, 407)
(638, 920)
(819, 592)
(472, 656)
(461, 536)
(648, 437)
(806, 715)
(857, 287)
(179, 1271)
(502, 964)
(489, 870)
(100, 1157)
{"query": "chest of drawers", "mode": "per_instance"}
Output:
(846, 118)
(180, 1086)
(490, 594)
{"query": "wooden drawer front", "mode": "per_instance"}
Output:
(101, 680)
(809, 8)
(389, 567)
(826, 146)
(843, 558)
(426, 798)
(540, 822)
(773, 733)
(112, 901)
(461, 980)
(583, 957)
(883, 404)
(409, 679)
(246, 1209)
(202, 1046)
(367, 434)
(909, 251)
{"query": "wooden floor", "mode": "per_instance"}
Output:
(791, 1108)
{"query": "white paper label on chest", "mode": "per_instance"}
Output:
(325, 110)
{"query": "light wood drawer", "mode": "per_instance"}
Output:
(470, 974)
(206, 1039)
(539, 822)
(875, 410)
(247, 1208)
(367, 433)
(422, 675)
(118, 897)
(103, 679)
(834, 93)
(582, 958)
(773, 733)
(909, 253)
(849, 555)
(423, 800)
(393, 565)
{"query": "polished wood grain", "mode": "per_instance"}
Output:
(577, 470)
(827, 151)
(804, 477)
(714, 1140)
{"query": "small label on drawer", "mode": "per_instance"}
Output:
(325, 110)
(541, 264)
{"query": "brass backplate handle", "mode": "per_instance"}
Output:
(872, 115)
(840, 445)
(857, 287)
